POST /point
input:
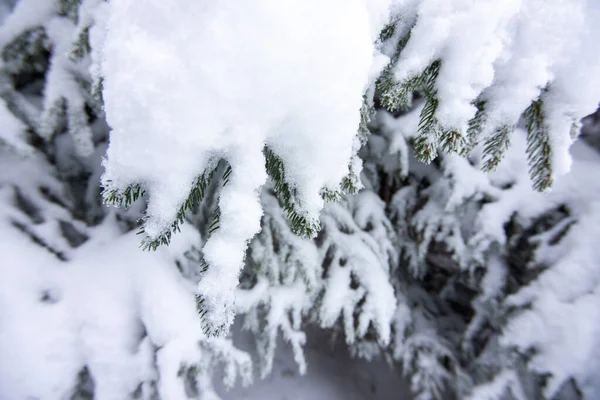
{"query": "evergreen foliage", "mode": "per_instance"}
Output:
(299, 224)
(538, 148)
(433, 252)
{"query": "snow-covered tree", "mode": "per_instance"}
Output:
(388, 170)
(83, 315)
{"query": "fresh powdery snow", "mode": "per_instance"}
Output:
(188, 84)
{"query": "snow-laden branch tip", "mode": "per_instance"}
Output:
(186, 85)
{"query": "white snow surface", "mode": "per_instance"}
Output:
(186, 84)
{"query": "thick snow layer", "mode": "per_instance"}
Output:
(186, 84)
(363, 257)
(216, 80)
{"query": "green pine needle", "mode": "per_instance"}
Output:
(387, 32)
(195, 197)
(203, 309)
(393, 95)
(68, 8)
(539, 151)
(114, 197)
(214, 223)
(496, 146)
(476, 125)
(453, 141)
(427, 139)
(398, 95)
(81, 47)
(367, 111)
(126, 197)
(286, 194)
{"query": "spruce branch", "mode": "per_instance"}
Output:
(367, 111)
(286, 194)
(68, 8)
(395, 96)
(116, 197)
(351, 184)
(203, 307)
(214, 223)
(227, 174)
(475, 127)
(400, 95)
(427, 139)
(539, 151)
(122, 199)
(453, 141)
(387, 32)
(196, 195)
(496, 146)
(27, 53)
(81, 47)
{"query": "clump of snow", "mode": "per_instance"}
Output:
(215, 80)
(358, 247)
